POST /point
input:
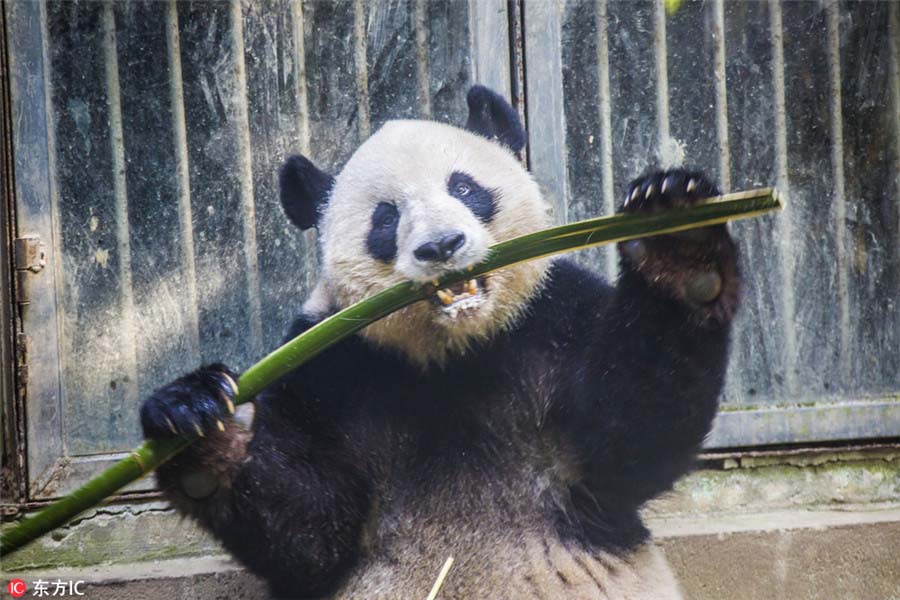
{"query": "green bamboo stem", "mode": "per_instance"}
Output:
(565, 238)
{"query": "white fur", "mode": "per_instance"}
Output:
(408, 164)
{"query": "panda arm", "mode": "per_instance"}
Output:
(296, 508)
(649, 390)
(289, 500)
(653, 365)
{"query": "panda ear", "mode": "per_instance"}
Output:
(304, 191)
(492, 116)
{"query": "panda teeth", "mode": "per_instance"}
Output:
(469, 297)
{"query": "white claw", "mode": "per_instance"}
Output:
(231, 383)
(649, 193)
(446, 298)
(691, 185)
(634, 194)
(665, 185)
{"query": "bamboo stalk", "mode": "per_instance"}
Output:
(565, 238)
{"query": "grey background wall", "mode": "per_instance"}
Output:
(147, 136)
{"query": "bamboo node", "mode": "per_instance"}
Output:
(139, 461)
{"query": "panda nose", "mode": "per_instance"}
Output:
(441, 250)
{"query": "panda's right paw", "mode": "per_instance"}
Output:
(696, 268)
(192, 406)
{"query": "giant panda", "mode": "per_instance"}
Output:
(516, 422)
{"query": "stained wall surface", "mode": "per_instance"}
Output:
(147, 137)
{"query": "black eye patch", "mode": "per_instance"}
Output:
(382, 240)
(479, 200)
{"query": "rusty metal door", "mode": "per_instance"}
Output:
(147, 137)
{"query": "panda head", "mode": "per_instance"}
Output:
(416, 200)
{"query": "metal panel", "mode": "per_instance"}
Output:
(12, 448)
(796, 94)
(546, 117)
(278, 125)
(35, 184)
(147, 140)
(159, 216)
(871, 171)
(759, 360)
(148, 134)
(489, 36)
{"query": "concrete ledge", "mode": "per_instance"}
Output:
(781, 555)
(771, 521)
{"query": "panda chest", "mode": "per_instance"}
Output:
(477, 445)
(486, 413)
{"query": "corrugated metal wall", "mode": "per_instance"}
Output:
(148, 135)
(799, 94)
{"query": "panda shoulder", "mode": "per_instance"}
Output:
(317, 306)
(301, 323)
(570, 297)
(569, 284)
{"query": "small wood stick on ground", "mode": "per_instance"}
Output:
(440, 579)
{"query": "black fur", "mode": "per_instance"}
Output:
(304, 191)
(382, 238)
(491, 116)
(696, 267)
(190, 405)
(480, 201)
(615, 386)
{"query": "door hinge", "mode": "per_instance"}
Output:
(31, 258)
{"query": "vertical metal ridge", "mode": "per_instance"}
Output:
(605, 107)
(301, 89)
(784, 223)
(362, 69)
(300, 86)
(719, 59)
(12, 428)
(546, 108)
(833, 19)
(56, 232)
(245, 165)
(126, 328)
(517, 86)
(488, 36)
(781, 167)
(421, 23)
(894, 41)
(662, 75)
(182, 180)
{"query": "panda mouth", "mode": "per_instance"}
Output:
(461, 299)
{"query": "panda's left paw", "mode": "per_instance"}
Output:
(667, 189)
(698, 267)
